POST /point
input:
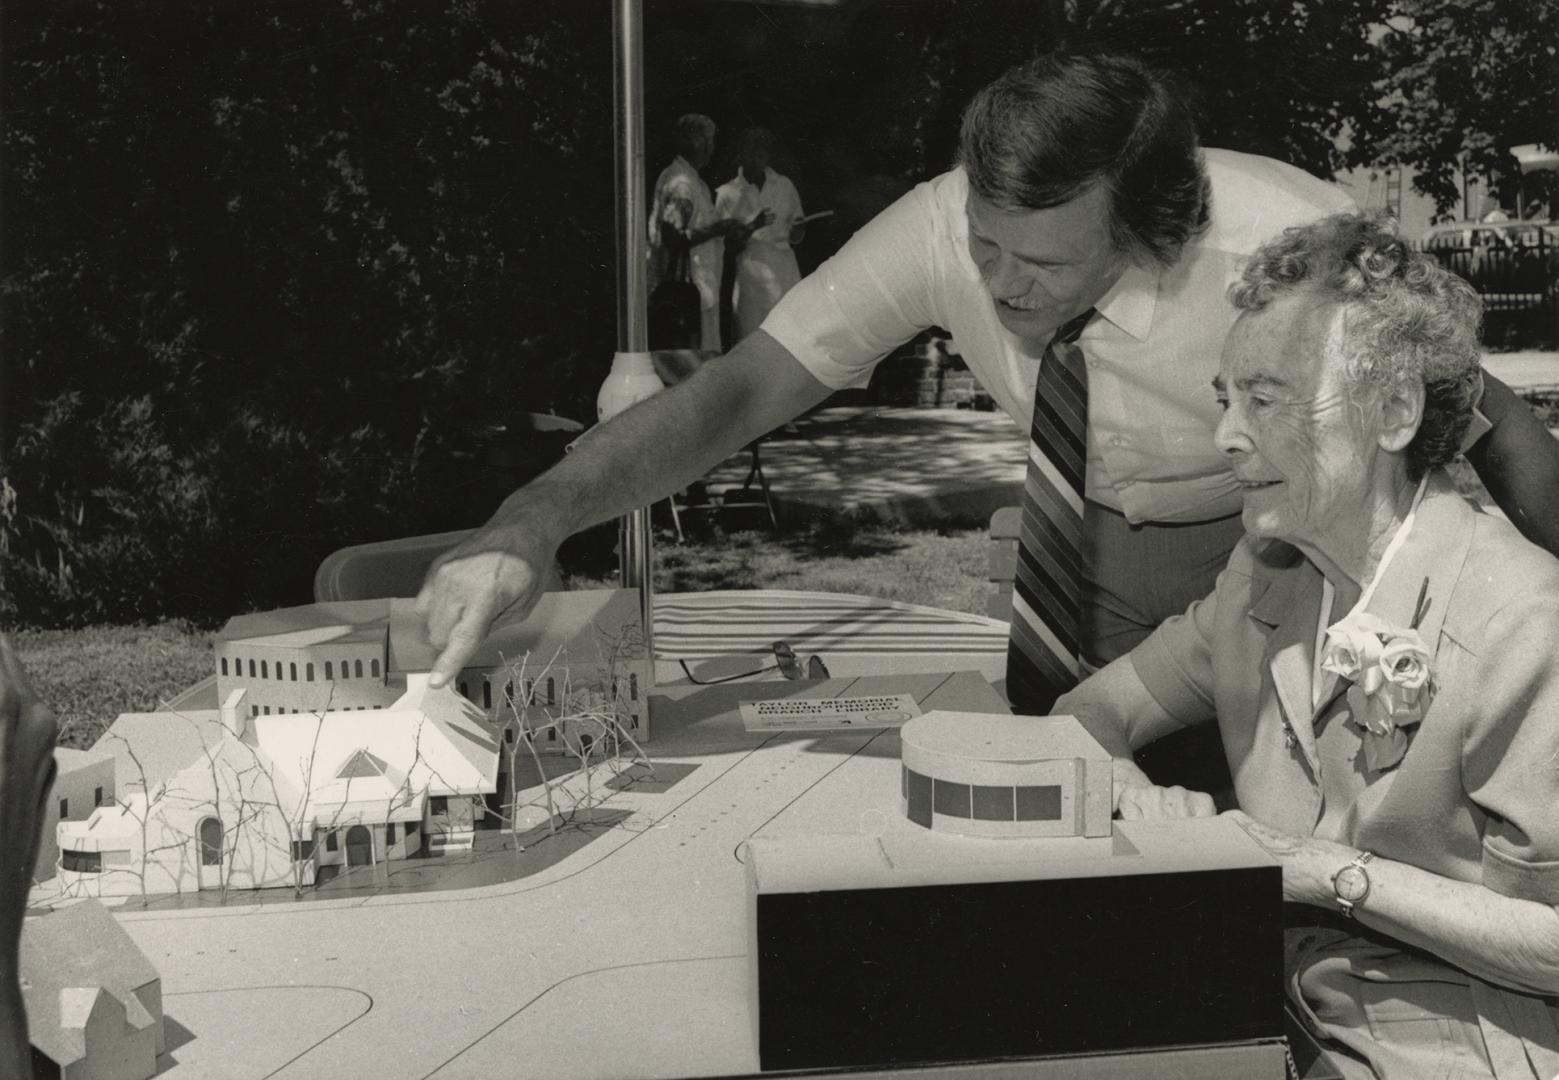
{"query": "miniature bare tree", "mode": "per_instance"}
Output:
(296, 818)
(137, 869)
(599, 717)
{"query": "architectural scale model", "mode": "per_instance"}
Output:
(983, 775)
(83, 781)
(977, 922)
(639, 910)
(94, 1002)
(332, 749)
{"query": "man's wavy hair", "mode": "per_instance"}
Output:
(1045, 131)
(1405, 319)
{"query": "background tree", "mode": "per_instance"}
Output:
(1462, 82)
(268, 268)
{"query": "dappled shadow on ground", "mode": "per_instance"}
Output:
(852, 458)
(715, 559)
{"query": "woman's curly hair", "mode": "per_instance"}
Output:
(1406, 320)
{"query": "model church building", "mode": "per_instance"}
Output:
(331, 749)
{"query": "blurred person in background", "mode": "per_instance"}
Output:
(765, 264)
(687, 235)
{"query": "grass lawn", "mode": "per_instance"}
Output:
(90, 676)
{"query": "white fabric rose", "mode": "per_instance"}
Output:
(1404, 660)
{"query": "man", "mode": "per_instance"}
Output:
(765, 265)
(1081, 189)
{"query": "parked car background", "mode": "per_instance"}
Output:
(1514, 264)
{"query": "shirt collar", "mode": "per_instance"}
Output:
(741, 178)
(1130, 302)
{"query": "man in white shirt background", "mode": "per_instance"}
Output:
(684, 223)
(766, 266)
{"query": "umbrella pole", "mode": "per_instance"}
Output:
(635, 541)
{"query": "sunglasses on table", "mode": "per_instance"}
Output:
(786, 662)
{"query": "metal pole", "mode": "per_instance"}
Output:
(636, 557)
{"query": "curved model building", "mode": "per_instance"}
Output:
(986, 775)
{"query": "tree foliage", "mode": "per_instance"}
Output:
(267, 266)
(1462, 82)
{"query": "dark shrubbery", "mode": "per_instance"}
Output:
(268, 269)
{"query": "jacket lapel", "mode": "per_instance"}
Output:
(1287, 612)
(1434, 552)
(1289, 607)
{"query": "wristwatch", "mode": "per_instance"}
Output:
(1352, 884)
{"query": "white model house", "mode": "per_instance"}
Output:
(93, 1000)
(83, 781)
(332, 750)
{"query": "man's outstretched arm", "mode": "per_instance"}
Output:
(655, 448)
(1518, 461)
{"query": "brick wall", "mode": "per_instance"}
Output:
(925, 373)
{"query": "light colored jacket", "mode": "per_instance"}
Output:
(1476, 798)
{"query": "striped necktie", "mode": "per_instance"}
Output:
(1047, 592)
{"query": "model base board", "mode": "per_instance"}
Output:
(627, 956)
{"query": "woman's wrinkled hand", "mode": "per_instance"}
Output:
(1308, 862)
(1149, 802)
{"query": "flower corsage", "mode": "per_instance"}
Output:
(1392, 685)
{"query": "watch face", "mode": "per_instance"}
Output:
(1352, 883)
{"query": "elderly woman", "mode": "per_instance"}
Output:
(1383, 662)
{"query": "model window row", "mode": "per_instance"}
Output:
(529, 692)
(350, 669)
(1039, 802)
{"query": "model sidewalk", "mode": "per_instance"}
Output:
(940, 466)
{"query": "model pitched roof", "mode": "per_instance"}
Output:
(311, 624)
(67, 957)
(432, 741)
(162, 743)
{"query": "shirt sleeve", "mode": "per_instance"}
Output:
(1175, 663)
(794, 210)
(726, 202)
(875, 294)
(1510, 753)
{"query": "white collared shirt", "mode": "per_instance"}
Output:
(743, 200)
(1151, 355)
